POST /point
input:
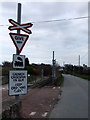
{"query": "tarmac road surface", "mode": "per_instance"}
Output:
(74, 99)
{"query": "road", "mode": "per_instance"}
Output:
(74, 99)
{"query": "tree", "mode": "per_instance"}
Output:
(68, 68)
(7, 64)
(26, 62)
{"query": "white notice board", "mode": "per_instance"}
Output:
(17, 82)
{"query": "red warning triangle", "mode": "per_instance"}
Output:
(19, 40)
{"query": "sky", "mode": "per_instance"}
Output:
(68, 38)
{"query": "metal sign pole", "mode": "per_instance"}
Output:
(53, 69)
(42, 71)
(18, 20)
(18, 31)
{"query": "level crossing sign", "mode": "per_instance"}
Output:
(19, 40)
(17, 26)
(18, 61)
(17, 82)
(18, 78)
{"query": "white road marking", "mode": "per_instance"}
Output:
(45, 114)
(3, 88)
(54, 87)
(32, 113)
(59, 87)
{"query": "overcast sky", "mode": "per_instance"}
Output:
(68, 39)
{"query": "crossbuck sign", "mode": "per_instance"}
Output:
(22, 27)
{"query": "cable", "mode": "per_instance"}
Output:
(58, 20)
(4, 25)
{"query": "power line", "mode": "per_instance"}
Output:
(57, 20)
(84, 17)
(4, 25)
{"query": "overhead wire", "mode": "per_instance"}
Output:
(58, 20)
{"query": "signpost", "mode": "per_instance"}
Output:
(18, 61)
(18, 78)
(53, 69)
(18, 82)
(18, 32)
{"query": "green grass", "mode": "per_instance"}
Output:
(31, 79)
(60, 80)
(82, 76)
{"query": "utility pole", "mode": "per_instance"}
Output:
(42, 71)
(63, 63)
(79, 61)
(53, 69)
(18, 31)
(53, 66)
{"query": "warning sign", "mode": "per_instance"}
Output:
(19, 40)
(18, 61)
(17, 82)
(17, 26)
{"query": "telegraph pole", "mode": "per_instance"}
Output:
(53, 69)
(63, 63)
(53, 66)
(42, 71)
(79, 61)
(18, 31)
(53, 55)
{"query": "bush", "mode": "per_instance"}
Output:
(5, 71)
(32, 71)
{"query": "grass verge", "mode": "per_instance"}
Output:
(87, 77)
(60, 80)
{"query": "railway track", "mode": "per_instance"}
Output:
(39, 84)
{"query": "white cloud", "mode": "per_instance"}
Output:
(67, 38)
